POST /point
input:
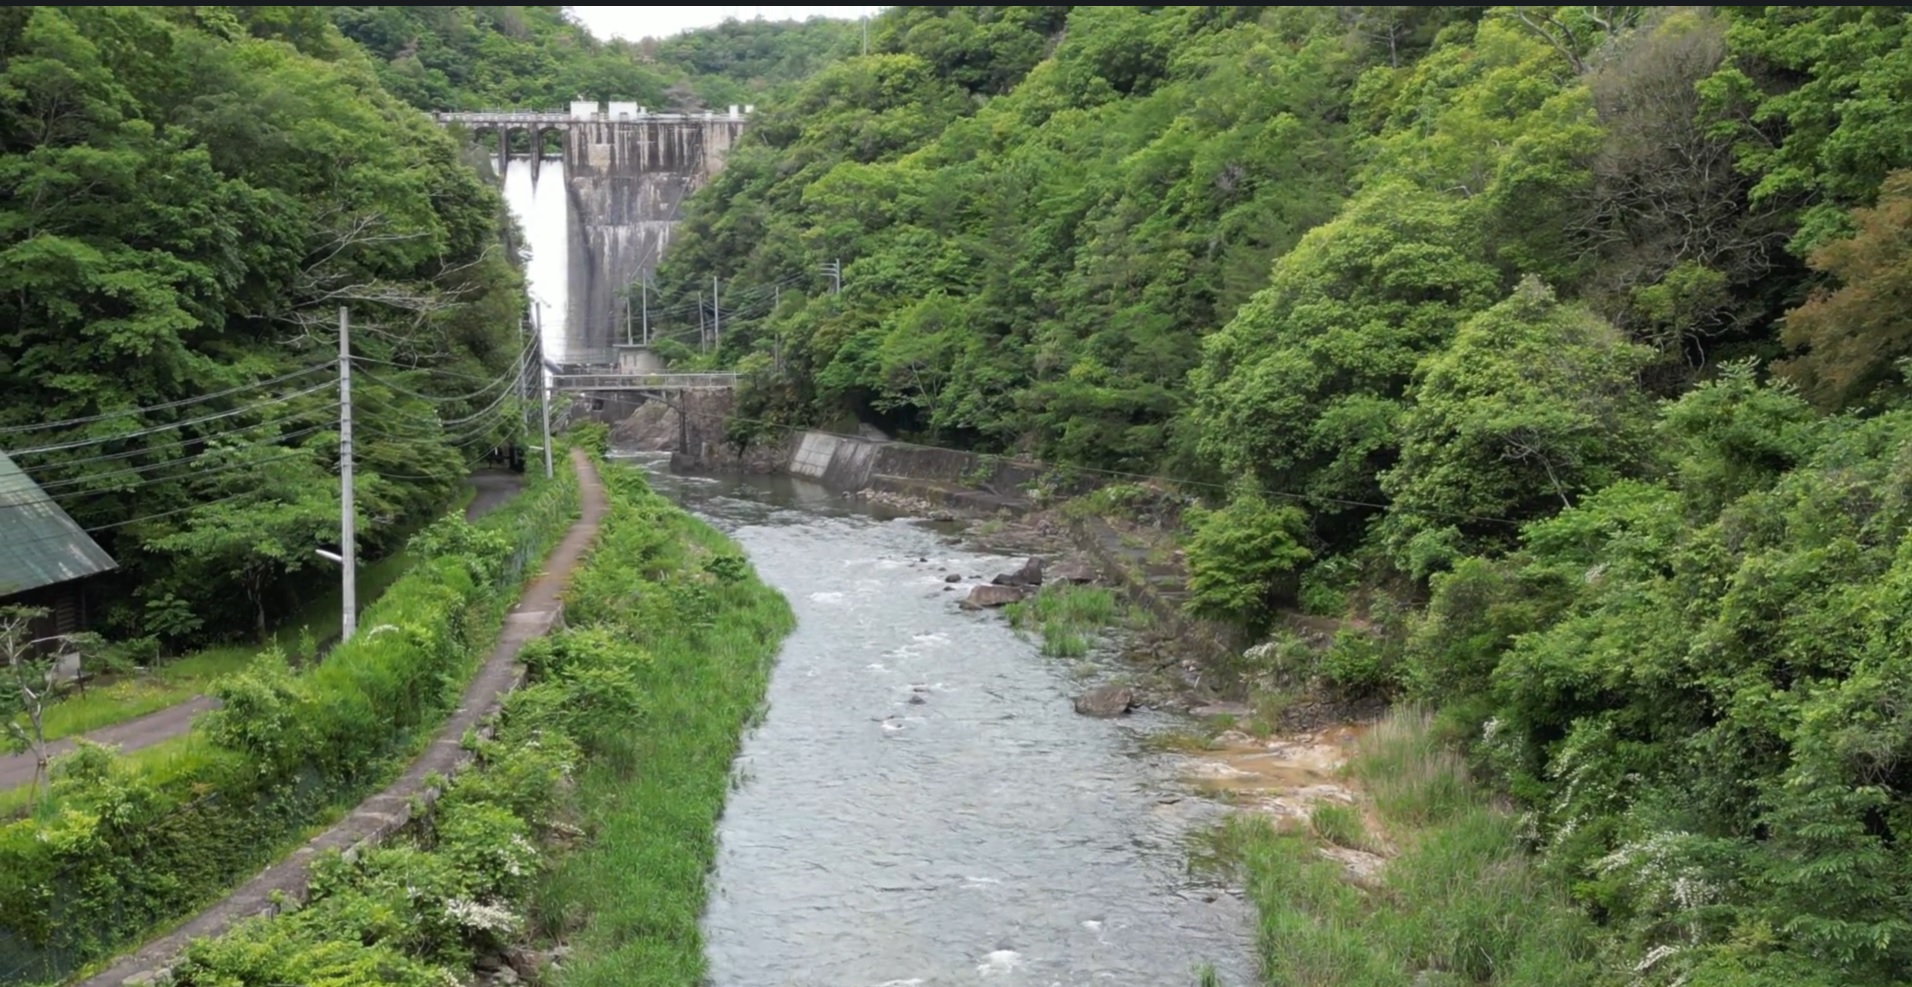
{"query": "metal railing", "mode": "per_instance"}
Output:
(537, 118)
(643, 382)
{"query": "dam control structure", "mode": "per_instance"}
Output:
(626, 172)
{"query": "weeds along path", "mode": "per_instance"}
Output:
(381, 814)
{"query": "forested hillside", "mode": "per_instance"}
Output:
(193, 193)
(1562, 347)
(189, 202)
(465, 58)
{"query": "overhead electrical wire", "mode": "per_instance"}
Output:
(156, 429)
(147, 409)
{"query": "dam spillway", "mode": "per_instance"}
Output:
(624, 175)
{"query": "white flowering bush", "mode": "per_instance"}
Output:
(491, 849)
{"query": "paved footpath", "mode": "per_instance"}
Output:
(494, 488)
(377, 817)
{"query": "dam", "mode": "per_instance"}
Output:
(598, 190)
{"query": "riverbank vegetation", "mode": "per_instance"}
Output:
(1545, 352)
(1455, 900)
(1068, 618)
(589, 820)
(118, 846)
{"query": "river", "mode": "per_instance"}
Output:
(921, 806)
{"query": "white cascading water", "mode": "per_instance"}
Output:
(542, 213)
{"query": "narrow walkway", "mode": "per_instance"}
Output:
(494, 488)
(131, 735)
(387, 811)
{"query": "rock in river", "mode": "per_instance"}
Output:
(1029, 575)
(1105, 700)
(953, 577)
(1078, 573)
(991, 596)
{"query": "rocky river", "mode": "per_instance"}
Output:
(921, 806)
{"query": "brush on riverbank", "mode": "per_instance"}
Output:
(705, 632)
(1461, 903)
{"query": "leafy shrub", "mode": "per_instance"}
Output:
(592, 437)
(1242, 561)
(258, 715)
(1357, 662)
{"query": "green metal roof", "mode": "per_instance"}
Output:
(40, 545)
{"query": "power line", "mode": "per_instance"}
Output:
(136, 470)
(205, 438)
(148, 409)
(80, 443)
(523, 355)
(138, 520)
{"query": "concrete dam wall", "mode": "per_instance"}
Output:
(625, 175)
(626, 183)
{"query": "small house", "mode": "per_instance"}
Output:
(45, 558)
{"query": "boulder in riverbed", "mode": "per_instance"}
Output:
(1029, 575)
(954, 577)
(992, 596)
(1078, 573)
(1105, 700)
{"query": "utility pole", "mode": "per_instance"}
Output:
(348, 535)
(524, 390)
(645, 288)
(834, 270)
(703, 329)
(544, 391)
(627, 320)
(717, 317)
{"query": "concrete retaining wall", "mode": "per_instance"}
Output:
(848, 463)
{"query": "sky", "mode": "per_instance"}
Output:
(634, 23)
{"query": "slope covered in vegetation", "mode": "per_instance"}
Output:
(192, 194)
(469, 58)
(189, 201)
(1563, 345)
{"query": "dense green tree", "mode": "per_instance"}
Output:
(1532, 405)
(187, 207)
(1303, 390)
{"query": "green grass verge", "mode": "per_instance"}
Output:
(639, 702)
(1460, 905)
(664, 581)
(1067, 617)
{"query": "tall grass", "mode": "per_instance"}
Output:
(1461, 904)
(1068, 617)
(652, 791)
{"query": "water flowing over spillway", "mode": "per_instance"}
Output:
(921, 807)
(541, 210)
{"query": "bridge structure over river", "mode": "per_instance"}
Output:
(610, 392)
